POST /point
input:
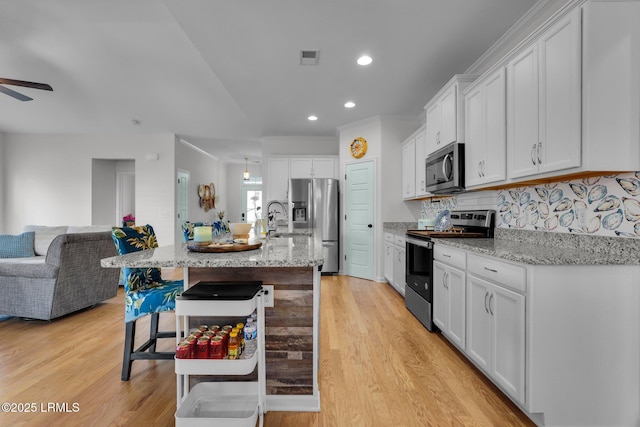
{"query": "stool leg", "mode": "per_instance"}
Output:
(153, 333)
(129, 341)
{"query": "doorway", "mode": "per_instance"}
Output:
(182, 202)
(251, 202)
(359, 219)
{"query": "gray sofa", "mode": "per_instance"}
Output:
(64, 276)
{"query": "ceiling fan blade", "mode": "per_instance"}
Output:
(14, 94)
(23, 83)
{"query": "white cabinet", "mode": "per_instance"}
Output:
(408, 168)
(399, 269)
(280, 169)
(485, 130)
(449, 302)
(395, 261)
(449, 293)
(420, 167)
(496, 325)
(278, 179)
(543, 116)
(317, 167)
(445, 114)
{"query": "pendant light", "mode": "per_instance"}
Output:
(245, 174)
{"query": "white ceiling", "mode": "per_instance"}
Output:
(225, 73)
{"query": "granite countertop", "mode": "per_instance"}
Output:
(295, 251)
(541, 248)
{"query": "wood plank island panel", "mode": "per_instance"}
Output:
(289, 324)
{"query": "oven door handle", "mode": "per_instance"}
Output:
(423, 243)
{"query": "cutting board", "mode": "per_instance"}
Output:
(225, 247)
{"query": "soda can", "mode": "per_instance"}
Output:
(216, 348)
(227, 328)
(183, 350)
(202, 348)
(203, 328)
(214, 328)
(196, 332)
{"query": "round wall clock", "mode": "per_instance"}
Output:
(358, 147)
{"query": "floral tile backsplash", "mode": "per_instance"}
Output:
(604, 206)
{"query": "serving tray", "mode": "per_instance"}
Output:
(225, 247)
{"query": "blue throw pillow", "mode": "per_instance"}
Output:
(20, 246)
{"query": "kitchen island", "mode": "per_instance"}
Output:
(291, 264)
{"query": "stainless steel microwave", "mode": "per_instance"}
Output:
(445, 170)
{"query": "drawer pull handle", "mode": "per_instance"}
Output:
(491, 270)
(446, 255)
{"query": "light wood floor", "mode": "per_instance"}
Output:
(378, 367)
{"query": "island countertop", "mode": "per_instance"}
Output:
(294, 251)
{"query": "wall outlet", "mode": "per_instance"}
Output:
(268, 297)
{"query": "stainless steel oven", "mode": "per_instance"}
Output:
(445, 170)
(418, 296)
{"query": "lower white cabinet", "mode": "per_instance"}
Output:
(449, 302)
(395, 261)
(496, 333)
(399, 269)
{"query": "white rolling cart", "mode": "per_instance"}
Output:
(232, 403)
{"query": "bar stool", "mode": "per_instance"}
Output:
(145, 293)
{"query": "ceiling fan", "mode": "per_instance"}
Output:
(18, 95)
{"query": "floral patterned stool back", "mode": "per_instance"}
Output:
(145, 293)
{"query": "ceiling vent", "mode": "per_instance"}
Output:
(309, 57)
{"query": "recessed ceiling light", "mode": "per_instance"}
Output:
(364, 60)
(349, 104)
(312, 118)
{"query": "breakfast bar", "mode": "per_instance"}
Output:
(291, 264)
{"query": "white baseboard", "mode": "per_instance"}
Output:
(284, 403)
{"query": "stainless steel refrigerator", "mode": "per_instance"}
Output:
(313, 205)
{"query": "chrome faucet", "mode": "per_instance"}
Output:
(272, 224)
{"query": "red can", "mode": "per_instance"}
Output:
(196, 333)
(225, 340)
(193, 340)
(203, 328)
(183, 350)
(202, 348)
(216, 348)
(214, 328)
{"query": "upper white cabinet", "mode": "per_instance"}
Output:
(414, 182)
(280, 169)
(278, 179)
(445, 114)
(317, 167)
(409, 168)
(485, 130)
(543, 115)
(610, 85)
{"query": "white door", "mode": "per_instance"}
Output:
(507, 311)
(522, 114)
(448, 111)
(182, 203)
(479, 322)
(560, 89)
(474, 147)
(359, 213)
(456, 286)
(440, 296)
(409, 169)
(494, 166)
